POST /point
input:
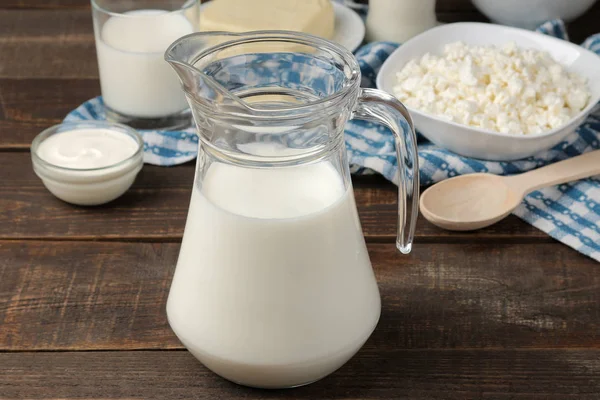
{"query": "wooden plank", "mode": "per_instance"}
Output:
(31, 105)
(371, 374)
(586, 25)
(46, 44)
(18, 135)
(44, 5)
(112, 296)
(156, 207)
(48, 100)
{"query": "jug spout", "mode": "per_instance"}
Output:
(188, 56)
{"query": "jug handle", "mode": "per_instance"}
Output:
(382, 108)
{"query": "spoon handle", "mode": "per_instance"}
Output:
(572, 169)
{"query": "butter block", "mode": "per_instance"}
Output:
(309, 16)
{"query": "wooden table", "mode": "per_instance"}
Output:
(504, 313)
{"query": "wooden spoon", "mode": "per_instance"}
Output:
(475, 201)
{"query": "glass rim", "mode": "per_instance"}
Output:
(186, 6)
(252, 37)
(75, 125)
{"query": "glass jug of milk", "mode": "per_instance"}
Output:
(273, 287)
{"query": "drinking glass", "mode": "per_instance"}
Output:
(139, 88)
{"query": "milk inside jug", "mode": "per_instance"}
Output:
(273, 286)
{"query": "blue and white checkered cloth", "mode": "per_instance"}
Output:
(569, 213)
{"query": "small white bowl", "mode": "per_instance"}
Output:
(88, 187)
(530, 14)
(482, 143)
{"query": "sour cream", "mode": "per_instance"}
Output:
(87, 148)
(87, 163)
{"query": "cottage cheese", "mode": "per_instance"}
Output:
(503, 89)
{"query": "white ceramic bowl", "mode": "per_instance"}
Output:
(531, 13)
(482, 143)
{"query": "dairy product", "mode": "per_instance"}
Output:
(87, 148)
(88, 165)
(309, 16)
(399, 20)
(273, 286)
(134, 77)
(508, 89)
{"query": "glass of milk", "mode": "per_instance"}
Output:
(139, 88)
(274, 287)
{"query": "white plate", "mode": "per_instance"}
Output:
(482, 143)
(349, 26)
